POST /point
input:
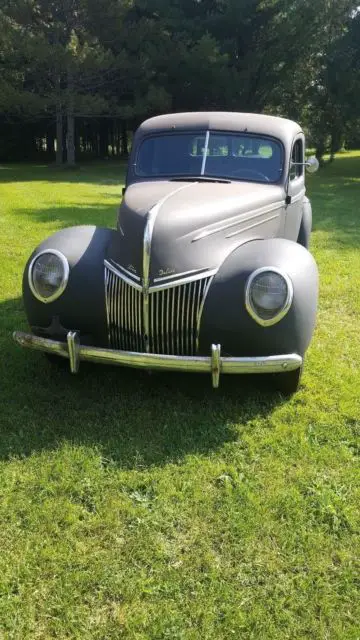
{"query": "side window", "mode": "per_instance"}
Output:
(297, 156)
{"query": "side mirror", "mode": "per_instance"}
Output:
(312, 165)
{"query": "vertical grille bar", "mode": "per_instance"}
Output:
(172, 320)
(173, 316)
(167, 320)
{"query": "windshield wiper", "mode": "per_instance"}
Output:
(199, 179)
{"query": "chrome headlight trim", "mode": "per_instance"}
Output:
(64, 281)
(287, 304)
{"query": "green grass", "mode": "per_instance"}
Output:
(150, 507)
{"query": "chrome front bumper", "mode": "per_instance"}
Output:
(215, 364)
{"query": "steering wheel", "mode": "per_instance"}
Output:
(253, 172)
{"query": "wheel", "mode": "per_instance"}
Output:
(289, 382)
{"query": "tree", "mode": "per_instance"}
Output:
(59, 64)
(336, 88)
(71, 61)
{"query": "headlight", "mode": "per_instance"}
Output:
(48, 275)
(268, 295)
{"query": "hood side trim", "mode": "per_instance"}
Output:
(252, 226)
(233, 221)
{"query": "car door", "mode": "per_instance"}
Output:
(296, 189)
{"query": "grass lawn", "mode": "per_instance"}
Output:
(151, 507)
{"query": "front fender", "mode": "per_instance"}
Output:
(306, 224)
(82, 305)
(225, 319)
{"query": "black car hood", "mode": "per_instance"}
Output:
(194, 225)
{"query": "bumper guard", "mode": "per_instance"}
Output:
(215, 364)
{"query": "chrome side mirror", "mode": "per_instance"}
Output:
(312, 164)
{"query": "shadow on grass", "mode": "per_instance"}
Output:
(135, 419)
(96, 213)
(92, 172)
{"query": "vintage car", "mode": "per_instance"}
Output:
(208, 269)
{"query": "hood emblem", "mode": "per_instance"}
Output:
(130, 267)
(166, 272)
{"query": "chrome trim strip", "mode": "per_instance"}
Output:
(207, 136)
(288, 302)
(106, 279)
(233, 221)
(177, 332)
(64, 280)
(251, 226)
(139, 322)
(200, 364)
(126, 271)
(109, 266)
(167, 321)
(119, 311)
(172, 321)
(170, 285)
(146, 322)
(73, 342)
(127, 306)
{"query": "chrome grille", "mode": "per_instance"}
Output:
(173, 316)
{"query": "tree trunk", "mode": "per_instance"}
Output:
(79, 138)
(70, 138)
(335, 145)
(103, 133)
(59, 135)
(118, 140)
(124, 140)
(113, 150)
(50, 142)
(70, 124)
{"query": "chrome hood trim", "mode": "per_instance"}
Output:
(172, 231)
(148, 233)
(166, 282)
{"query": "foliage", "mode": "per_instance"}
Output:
(334, 93)
(136, 506)
(137, 58)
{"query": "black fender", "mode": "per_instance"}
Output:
(225, 319)
(306, 224)
(82, 305)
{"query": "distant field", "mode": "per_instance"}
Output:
(151, 507)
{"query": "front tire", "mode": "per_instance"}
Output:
(289, 382)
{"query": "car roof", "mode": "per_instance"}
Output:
(257, 123)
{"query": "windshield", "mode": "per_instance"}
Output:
(211, 154)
